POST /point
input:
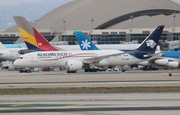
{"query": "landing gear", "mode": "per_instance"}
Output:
(170, 74)
(71, 71)
(90, 70)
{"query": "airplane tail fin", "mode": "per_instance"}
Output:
(33, 39)
(84, 42)
(151, 41)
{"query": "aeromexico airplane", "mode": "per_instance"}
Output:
(169, 58)
(86, 59)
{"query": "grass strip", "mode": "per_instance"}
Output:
(84, 90)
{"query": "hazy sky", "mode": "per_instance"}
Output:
(178, 1)
(15, 2)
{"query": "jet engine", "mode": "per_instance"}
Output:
(173, 64)
(162, 61)
(166, 62)
(73, 65)
(25, 51)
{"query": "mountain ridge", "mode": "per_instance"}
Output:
(31, 11)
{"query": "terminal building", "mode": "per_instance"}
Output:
(106, 22)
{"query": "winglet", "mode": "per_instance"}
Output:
(33, 39)
(84, 42)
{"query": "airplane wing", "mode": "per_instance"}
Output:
(101, 57)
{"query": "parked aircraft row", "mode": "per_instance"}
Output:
(47, 55)
(169, 58)
(87, 59)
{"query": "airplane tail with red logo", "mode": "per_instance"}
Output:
(33, 39)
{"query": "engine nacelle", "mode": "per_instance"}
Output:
(102, 63)
(73, 65)
(166, 62)
(25, 51)
(173, 64)
(162, 61)
(144, 63)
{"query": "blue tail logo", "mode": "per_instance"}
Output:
(84, 42)
(151, 43)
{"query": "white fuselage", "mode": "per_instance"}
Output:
(102, 47)
(59, 58)
(10, 54)
(13, 53)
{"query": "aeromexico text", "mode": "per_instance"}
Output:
(52, 54)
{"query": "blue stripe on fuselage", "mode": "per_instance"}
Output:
(138, 54)
(172, 54)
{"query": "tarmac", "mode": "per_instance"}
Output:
(87, 104)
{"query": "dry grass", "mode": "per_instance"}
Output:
(84, 90)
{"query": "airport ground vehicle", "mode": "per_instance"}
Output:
(24, 71)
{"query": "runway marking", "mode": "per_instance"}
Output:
(150, 108)
(54, 105)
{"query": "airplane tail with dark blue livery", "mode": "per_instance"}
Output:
(146, 49)
(84, 42)
(151, 41)
(148, 45)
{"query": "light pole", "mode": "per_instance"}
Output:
(92, 23)
(64, 28)
(131, 17)
(92, 20)
(174, 16)
(35, 23)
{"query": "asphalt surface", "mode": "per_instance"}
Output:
(14, 79)
(88, 104)
(84, 104)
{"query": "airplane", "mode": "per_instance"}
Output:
(86, 59)
(36, 42)
(84, 42)
(32, 38)
(15, 45)
(10, 54)
(29, 34)
(169, 58)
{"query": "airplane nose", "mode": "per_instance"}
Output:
(16, 63)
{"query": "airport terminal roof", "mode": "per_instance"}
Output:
(109, 14)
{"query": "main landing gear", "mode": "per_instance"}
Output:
(71, 71)
(90, 70)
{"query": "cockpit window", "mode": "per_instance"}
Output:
(20, 58)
